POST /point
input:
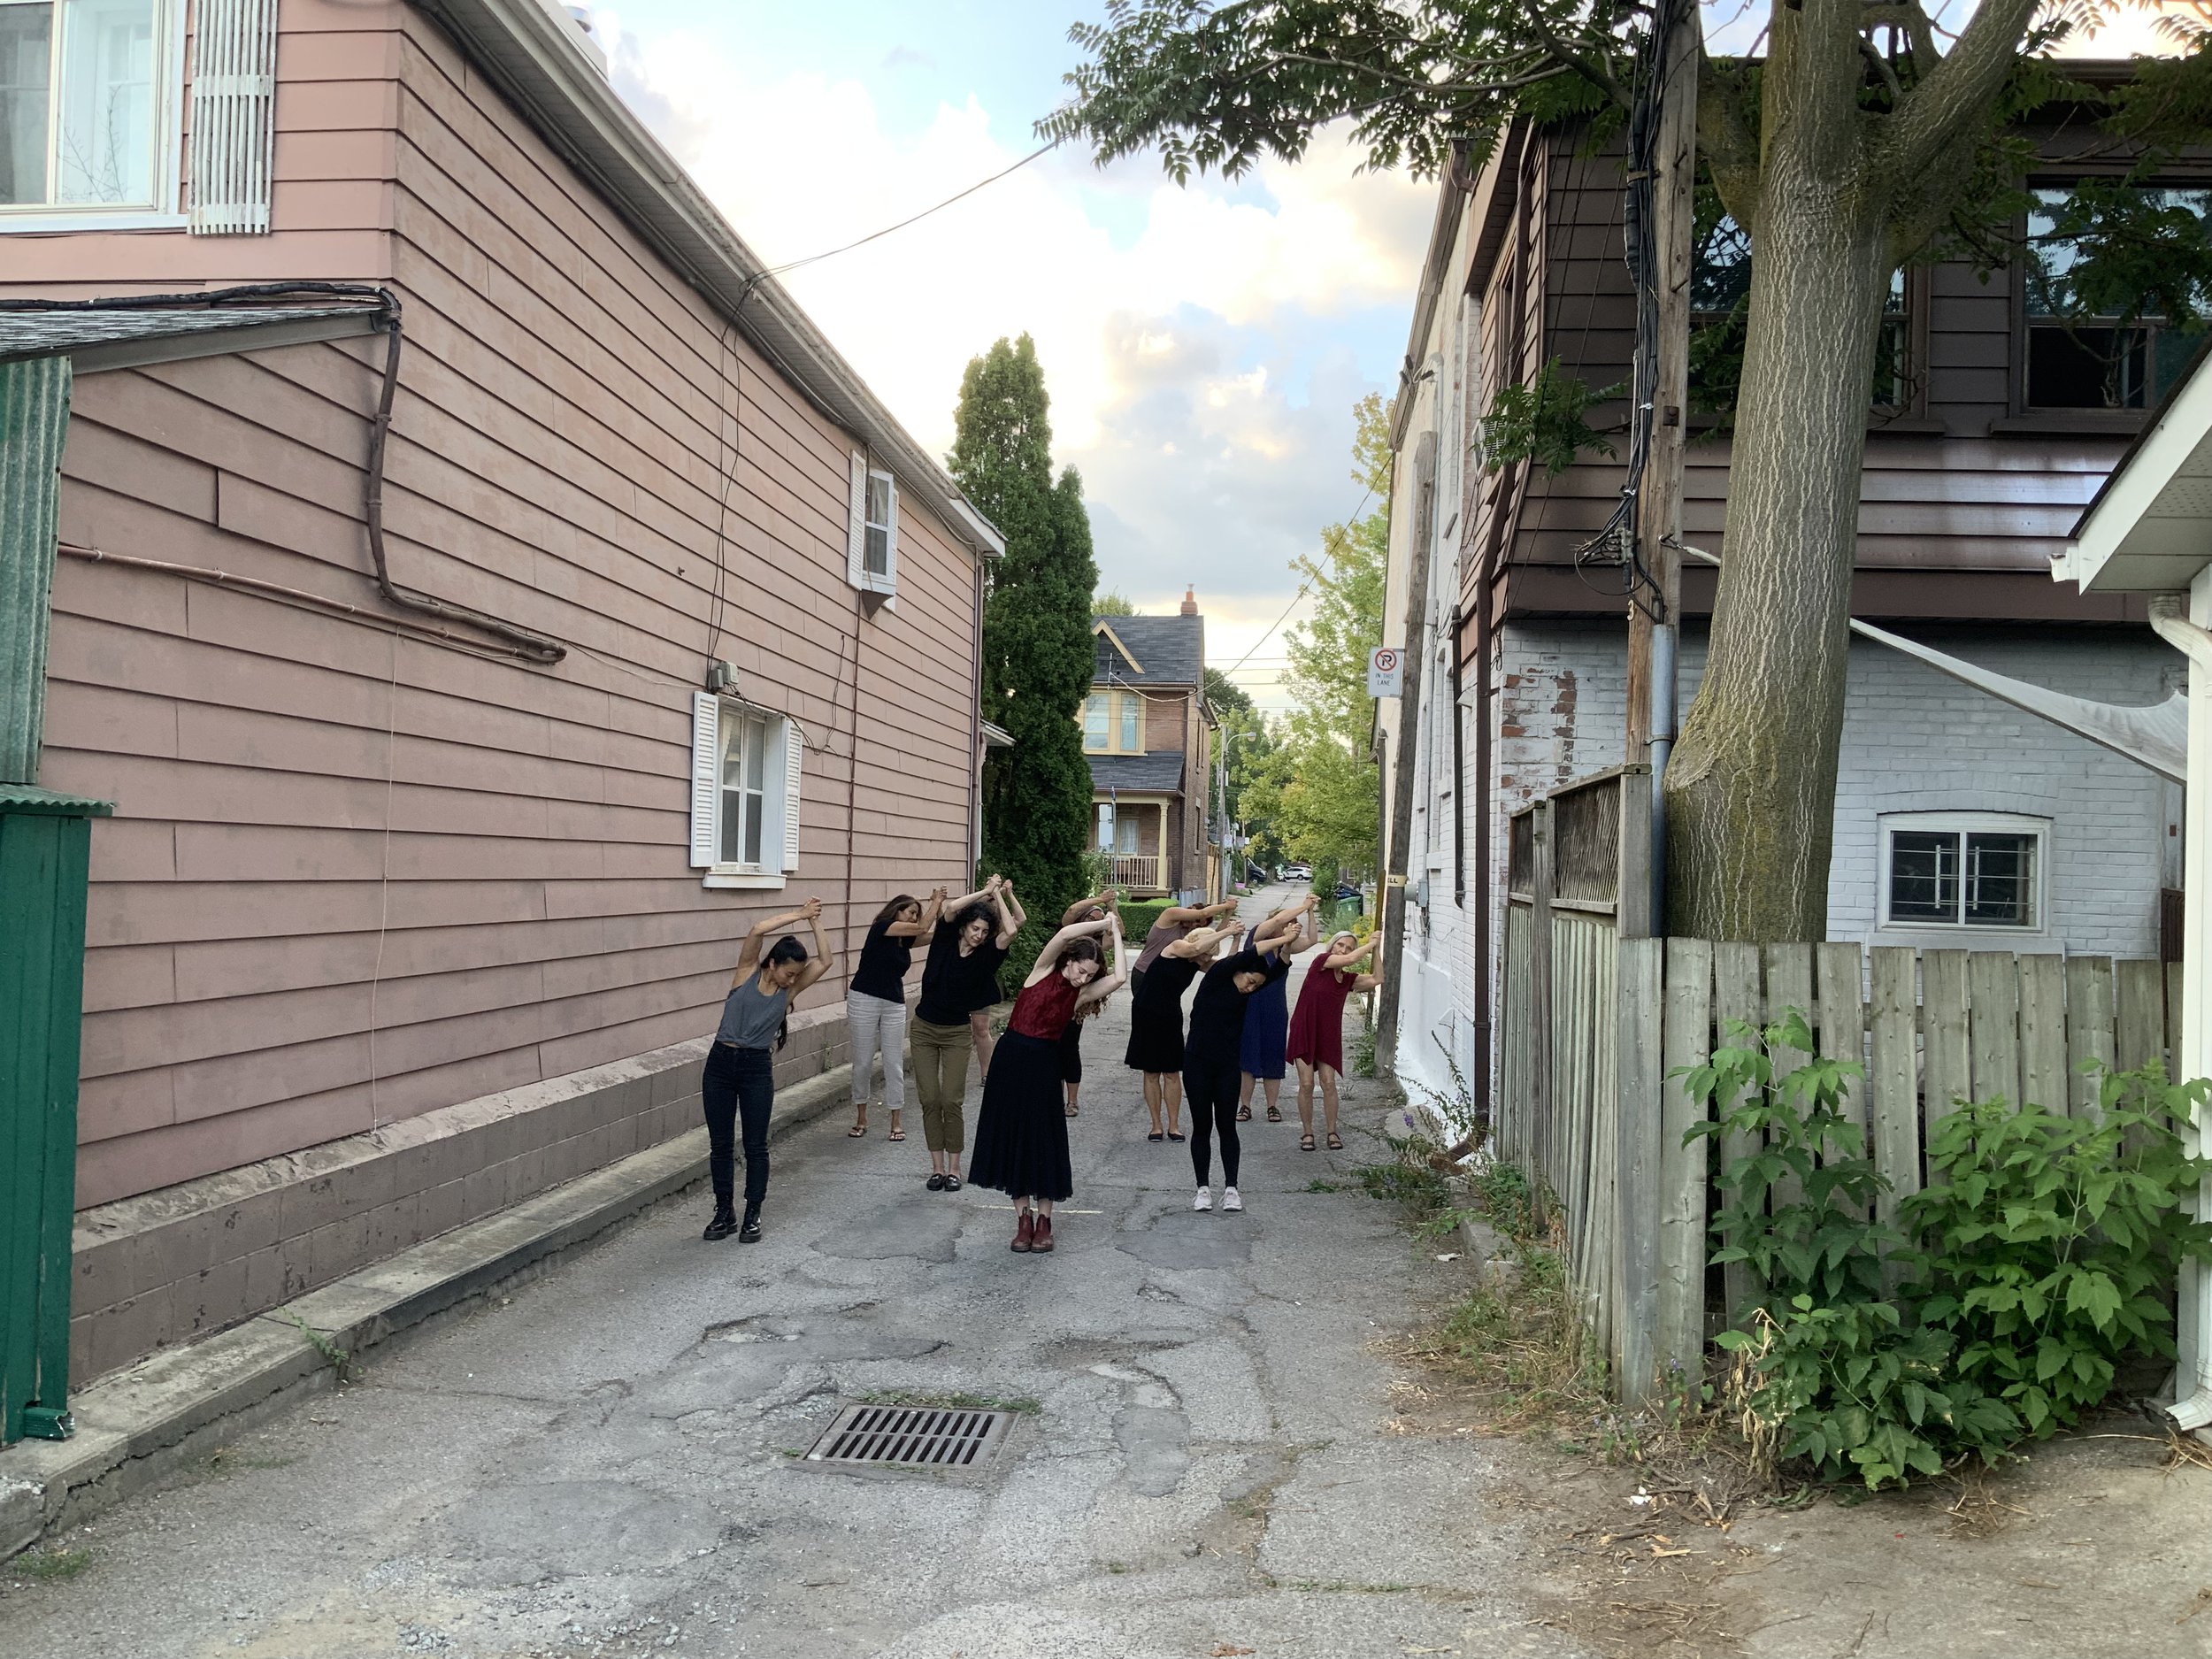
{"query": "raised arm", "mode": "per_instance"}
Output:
(1048, 958)
(1118, 973)
(1074, 912)
(1199, 941)
(748, 955)
(824, 960)
(1346, 958)
(921, 926)
(1010, 912)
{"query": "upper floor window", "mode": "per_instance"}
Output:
(86, 111)
(1962, 869)
(1113, 723)
(2096, 338)
(871, 531)
(1720, 307)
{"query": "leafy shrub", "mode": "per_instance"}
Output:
(2050, 1240)
(2036, 1258)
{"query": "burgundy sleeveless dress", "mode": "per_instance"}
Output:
(1317, 1030)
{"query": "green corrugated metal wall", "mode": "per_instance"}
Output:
(34, 423)
(45, 846)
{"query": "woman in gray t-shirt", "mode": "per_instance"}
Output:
(738, 1088)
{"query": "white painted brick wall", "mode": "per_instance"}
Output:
(1914, 740)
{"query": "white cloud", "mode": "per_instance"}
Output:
(1193, 339)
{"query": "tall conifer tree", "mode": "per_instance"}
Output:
(1037, 645)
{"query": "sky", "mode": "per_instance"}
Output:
(1203, 346)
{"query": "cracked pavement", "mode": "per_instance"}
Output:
(607, 1459)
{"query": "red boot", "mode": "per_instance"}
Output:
(1025, 1232)
(1042, 1240)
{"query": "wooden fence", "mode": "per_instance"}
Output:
(1595, 1019)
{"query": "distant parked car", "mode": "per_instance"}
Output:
(1297, 872)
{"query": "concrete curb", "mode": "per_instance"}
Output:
(139, 1423)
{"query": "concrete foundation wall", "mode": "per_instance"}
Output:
(165, 1266)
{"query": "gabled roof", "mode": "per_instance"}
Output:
(1158, 773)
(1150, 651)
(540, 60)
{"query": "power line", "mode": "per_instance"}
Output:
(876, 235)
(1304, 587)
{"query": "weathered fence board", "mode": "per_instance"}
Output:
(1622, 1018)
(1894, 1075)
(2043, 1031)
(1679, 1341)
(1641, 1049)
(2088, 1028)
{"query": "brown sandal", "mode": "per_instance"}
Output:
(1305, 1143)
(1336, 1142)
(1244, 1114)
(1274, 1114)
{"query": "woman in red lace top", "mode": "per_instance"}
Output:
(1021, 1132)
(1317, 1030)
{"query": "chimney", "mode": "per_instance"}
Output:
(1190, 601)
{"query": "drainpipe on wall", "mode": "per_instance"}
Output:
(2184, 626)
(1413, 661)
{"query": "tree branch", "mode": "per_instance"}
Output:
(1596, 74)
(1873, 55)
(1730, 146)
(1918, 27)
(1949, 98)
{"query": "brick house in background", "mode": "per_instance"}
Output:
(1148, 734)
(409, 910)
(1960, 821)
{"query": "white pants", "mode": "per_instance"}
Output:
(877, 1026)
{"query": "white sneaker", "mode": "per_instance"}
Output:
(1230, 1201)
(1205, 1199)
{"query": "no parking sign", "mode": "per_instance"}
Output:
(1386, 672)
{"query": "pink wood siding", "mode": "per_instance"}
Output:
(355, 877)
(337, 104)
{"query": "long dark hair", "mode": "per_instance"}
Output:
(889, 913)
(1084, 949)
(785, 949)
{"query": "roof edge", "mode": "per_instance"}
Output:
(540, 68)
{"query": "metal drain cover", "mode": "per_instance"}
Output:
(912, 1437)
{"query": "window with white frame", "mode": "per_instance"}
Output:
(1942, 869)
(871, 550)
(1113, 723)
(745, 790)
(88, 104)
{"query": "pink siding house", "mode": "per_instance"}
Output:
(402, 914)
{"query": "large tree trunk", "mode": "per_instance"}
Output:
(1751, 788)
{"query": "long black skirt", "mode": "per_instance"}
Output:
(1155, 1035)
(1021, 1131)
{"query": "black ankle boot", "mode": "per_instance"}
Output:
(749, 1233)
(724, 1222)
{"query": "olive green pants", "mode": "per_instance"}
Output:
(941, 1077)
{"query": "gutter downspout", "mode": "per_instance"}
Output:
(975, 726)
(1414, 669)
(2171, 618)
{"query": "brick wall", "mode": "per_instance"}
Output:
(1914, 740)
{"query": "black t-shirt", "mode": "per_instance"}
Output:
(954, 986)
(883, 964)
(1217, 1013)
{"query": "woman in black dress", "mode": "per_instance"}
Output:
(1021, 1132)
(1211, 1068)
(1156, 1023)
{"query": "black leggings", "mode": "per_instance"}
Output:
(739, 1086)
(1210, 1089)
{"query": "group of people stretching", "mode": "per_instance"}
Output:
(1240, 1034)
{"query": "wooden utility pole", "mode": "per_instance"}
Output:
(1653, 617)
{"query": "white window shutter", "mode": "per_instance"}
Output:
(889, 581)
(793, 752)
(706, 781)
(856, 525)
(233, 116)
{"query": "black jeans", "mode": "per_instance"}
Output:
(1210, 1089)
(738, 1085)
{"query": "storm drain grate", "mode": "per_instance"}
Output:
(912, 1437)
